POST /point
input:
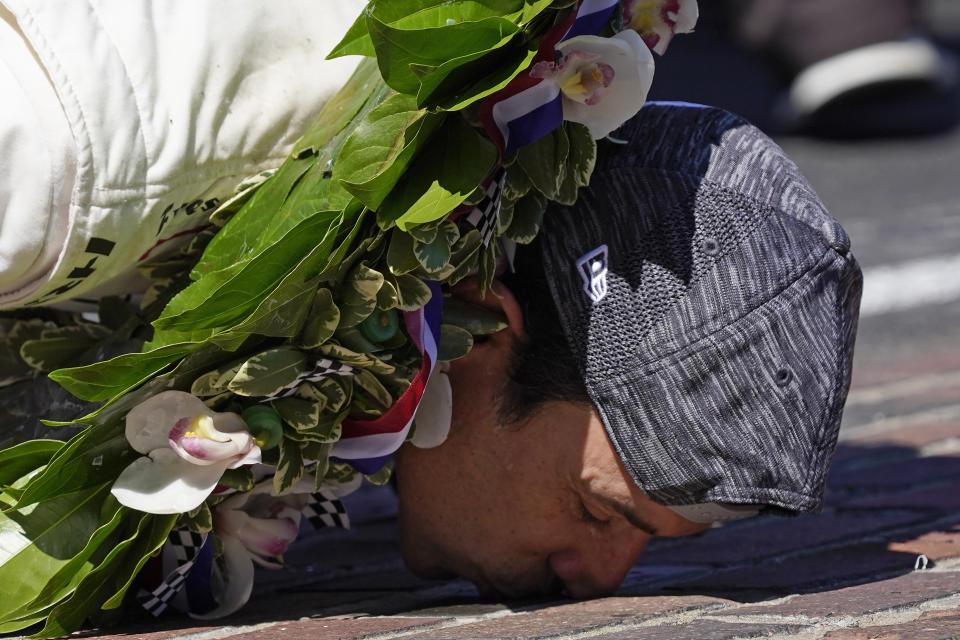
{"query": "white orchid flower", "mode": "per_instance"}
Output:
(657, 21)
(604, 81)
(187, 448)
(256, 527)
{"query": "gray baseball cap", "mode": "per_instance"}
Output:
(712, 304)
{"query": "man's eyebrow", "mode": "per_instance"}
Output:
(632, 517)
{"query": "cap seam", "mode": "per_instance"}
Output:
(751, 317)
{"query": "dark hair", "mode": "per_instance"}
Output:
(543, 367)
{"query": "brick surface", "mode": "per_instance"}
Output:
(903, 591)
(572, 617)
(936, 545)
(912, 437)
(335, 628)
(943, 498)
(894, 475)
(704, 630)
(760, 538)
(828, 567)
(940, 625)
(159, 630)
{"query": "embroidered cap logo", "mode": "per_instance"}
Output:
(592, 267)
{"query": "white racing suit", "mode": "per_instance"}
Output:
(123, 123)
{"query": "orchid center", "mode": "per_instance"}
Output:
(199, 427)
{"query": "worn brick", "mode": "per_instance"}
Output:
(894, 475)
(157, 630)
(936, 545)
(335, 628)
(903, 591)
(911, 437)
(763, 537)
(573, 617)
(704, 630)
(839, 566)
(942, 360)
(942, 497)
(939, 625)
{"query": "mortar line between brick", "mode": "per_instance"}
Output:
(902, 388)
(227, 631)
(858, 432)
(819, 627)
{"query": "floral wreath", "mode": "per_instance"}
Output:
(295, 346)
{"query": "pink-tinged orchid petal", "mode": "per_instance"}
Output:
(232, 583)
(631, 74)
(265, 537)
(434, 413)
(163, 482)
(581, 76)
(198, 440)
(657, 21)
(149, 423)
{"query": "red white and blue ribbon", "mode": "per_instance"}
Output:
(367, 444)
(529, 108)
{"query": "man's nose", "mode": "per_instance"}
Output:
(591, 571)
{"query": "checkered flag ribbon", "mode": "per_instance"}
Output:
(324, 367)
(185, 546)
(484, 216)
(323, 510)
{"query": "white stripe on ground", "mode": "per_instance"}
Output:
(939, 415)
(903, 388)
(912, 284)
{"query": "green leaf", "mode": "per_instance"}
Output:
(300, 414)
(583, 153)
(322, 322)
(412, 291)
(381, 477)
(268, 371)
(110, 579)
(289, 468)
(108, 379)
(95, 455)
(215, 382)
(433, 256)
(434, 35)
(400, 256)
(527, 216)
(454, 342)
(240, 239)
(369, 383)
(387, 297)
(358, 296)
(62, 583)
(21, 459)
(335, 394)
(544, 161)
(451, 166)
(378, 151)
(363, 91)
(225, 296)
(354, 359)
(355, 42)
(199, 520)
(240, 479)
(36, 542)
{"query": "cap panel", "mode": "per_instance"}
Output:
(744, 414)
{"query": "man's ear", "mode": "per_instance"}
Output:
(498, 298)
